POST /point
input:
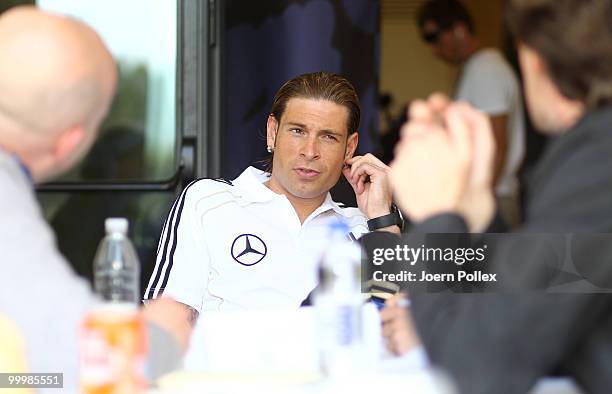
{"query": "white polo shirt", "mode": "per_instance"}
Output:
(239, 245)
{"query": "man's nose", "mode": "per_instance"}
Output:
(310, 148)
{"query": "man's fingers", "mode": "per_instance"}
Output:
(355, 180)
(483, 144)
(368, 164)
(438, 102)
(363, 178)
(393, 325)
(387, 330)
(346, 171)
(459, 132)
(483, 131)
(387, 314)
(429, 111)
(397, 329)
(353, 160)
(419, 111)
(367, 169)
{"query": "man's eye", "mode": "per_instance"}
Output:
(297, 131)
(330, 137)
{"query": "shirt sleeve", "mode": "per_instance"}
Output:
(182, 264)
(489, 86)
(40, 293)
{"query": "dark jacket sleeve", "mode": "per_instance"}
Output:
(444, 223)
(503, 342)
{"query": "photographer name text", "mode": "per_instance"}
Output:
(459, 276)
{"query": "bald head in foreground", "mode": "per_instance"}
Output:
(57, 80)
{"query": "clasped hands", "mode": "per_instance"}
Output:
(444, 163)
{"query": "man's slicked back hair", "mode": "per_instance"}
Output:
(317, 86)
(320, 86)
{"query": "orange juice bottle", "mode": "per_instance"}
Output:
(113, 347)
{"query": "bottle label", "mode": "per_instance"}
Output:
(96, 355)
(112, 350)
(347, 325)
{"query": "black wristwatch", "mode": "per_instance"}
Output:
(394, 218)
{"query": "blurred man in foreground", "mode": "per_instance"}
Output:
(57, 80)
(441, 177)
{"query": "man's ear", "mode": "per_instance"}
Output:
(272, 129)
(351, 145)
(68, 143)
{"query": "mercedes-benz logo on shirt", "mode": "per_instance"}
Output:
(248, 249)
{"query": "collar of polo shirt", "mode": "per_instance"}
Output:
(253, 179)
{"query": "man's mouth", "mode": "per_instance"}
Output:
(306, 173)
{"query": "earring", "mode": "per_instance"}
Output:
(270, 150)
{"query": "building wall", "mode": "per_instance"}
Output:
(408, 68)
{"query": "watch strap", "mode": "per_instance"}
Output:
(391, 219)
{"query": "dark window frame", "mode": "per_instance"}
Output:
(198, 105)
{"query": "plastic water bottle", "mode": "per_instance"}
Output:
(116, 265)
(338, 304)
(113, 342)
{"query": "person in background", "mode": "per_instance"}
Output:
(57, 80)
(486, 81)
(441, 178)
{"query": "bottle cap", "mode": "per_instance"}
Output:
(116, 225)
